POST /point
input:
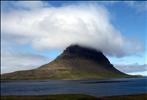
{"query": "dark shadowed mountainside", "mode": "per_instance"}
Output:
(76, 62)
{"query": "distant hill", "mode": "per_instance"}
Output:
(76, 62)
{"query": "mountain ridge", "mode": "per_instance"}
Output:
(76, 62)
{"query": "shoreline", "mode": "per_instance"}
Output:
(100, 79)
(76, 97)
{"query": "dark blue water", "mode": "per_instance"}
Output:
(107, 87)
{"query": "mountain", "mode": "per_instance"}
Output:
(76, 62)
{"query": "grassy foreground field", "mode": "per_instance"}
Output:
(75, 97)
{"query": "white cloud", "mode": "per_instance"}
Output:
(14, 62)
(133, 69)
(143, 73)
(59, 27)
(14, 58)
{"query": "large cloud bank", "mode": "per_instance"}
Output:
(49, 27)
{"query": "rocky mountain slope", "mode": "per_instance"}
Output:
(76, 62)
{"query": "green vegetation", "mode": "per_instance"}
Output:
(75, 63)
(75, 97)
(66, 70)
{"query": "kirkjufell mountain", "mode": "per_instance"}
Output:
(76, 62)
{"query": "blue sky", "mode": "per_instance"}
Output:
(131, 22)
(33, 29)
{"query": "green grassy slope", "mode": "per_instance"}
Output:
(74, 63)
(67, 69)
